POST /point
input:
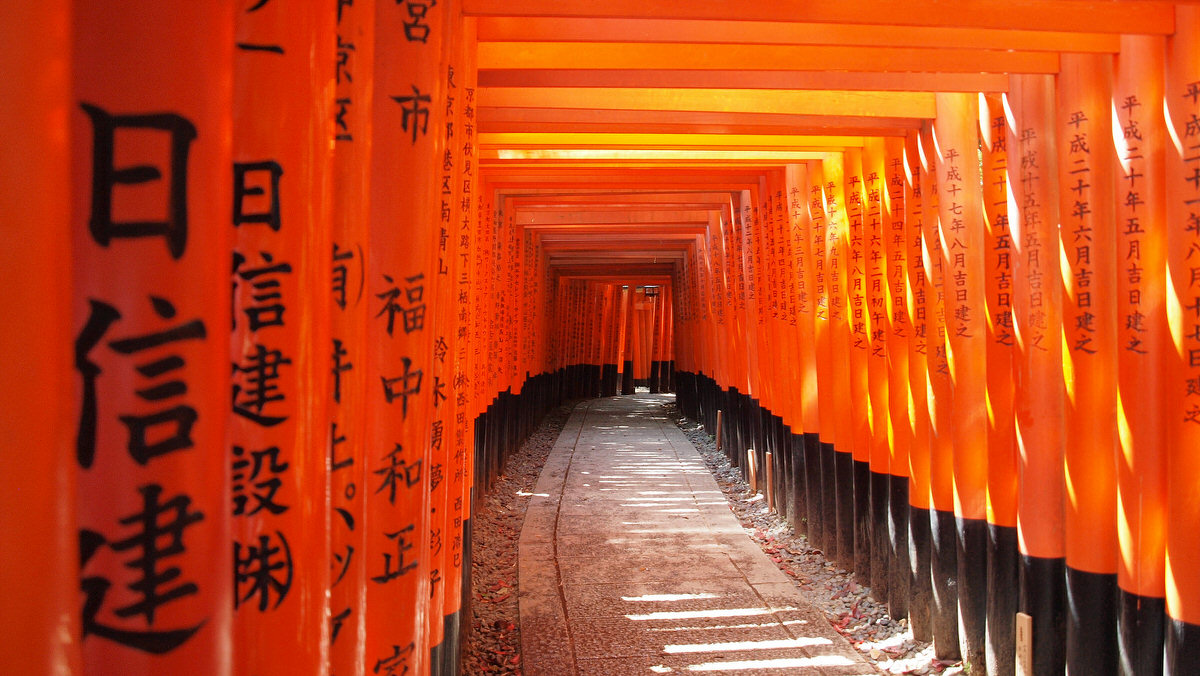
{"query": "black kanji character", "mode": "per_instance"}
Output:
(402, 545)
(106, 177)
(265, 489)
(262, 370)
(334, 442)
(265, 569)
(415, 111)
(417, 30)
(156, 522)
(271, 217)
(344, 560)
(414, 315)
(391, 665)
(406, 381)
(266, 308)
(397, 468)
(100, 318)
(336, 624)
(338, 368)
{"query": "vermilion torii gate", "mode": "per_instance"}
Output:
(287, 282)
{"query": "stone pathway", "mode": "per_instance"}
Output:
(631, 562)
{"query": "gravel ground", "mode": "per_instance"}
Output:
(494, 646)
(846, 603)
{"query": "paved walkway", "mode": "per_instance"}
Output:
(631, 562)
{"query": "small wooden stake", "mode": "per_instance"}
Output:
(719, 421)
(753, 470)
(770, 483)
(1024, 647)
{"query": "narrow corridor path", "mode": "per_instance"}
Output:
(631, 562)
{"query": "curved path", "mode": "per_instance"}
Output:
(631, 562)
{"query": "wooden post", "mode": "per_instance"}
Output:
(1182, 368)
(752, 468)
(277, 444)
(770, 481)
(919, 291)
(39, 626)
(859, 482)
(150, 130)
(940, 394)
(409, 102)
(1087, 206)
(1037, 365)
(900, 333)
(349, 476)
(1142, 346)
(1002, 563)
(960, 209)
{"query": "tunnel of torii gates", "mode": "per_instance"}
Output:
(285, 282)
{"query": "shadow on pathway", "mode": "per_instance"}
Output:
(631, 562)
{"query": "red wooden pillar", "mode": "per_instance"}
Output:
(940, 396)
(1142, 345)
(280, 348)
(441, 436)
(1001, 440)
(670, 318)
(39, 626)
(150, 132)
(464, 251)
(1037, 364)
(859, 480)
(1182, 368)
(837, 239)
(919, 292)
(960, 209)
(403, 266)
(627, 295)
(878, 326)
(900, 328)
(800, 182)
(349, 477)
(822, 534)
(1087, 234)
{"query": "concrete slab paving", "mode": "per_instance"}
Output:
(631, 562)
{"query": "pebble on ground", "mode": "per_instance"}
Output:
(494, 646)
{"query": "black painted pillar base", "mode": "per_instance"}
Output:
(437, 660)
(899, 575)
(829, 534)
(464, 628)
(627, 378)
(453, 647)
(1182, 648)
(920, 547)
(597, 376)
(608, 381)
(1043, 596)
(798, 483)
(812, 489)
(1140, 633)
(862, 521)
(845, 509)
(881, 548)
(1091, 622)
(1002, 566)
(943, 565)
(972, 591)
